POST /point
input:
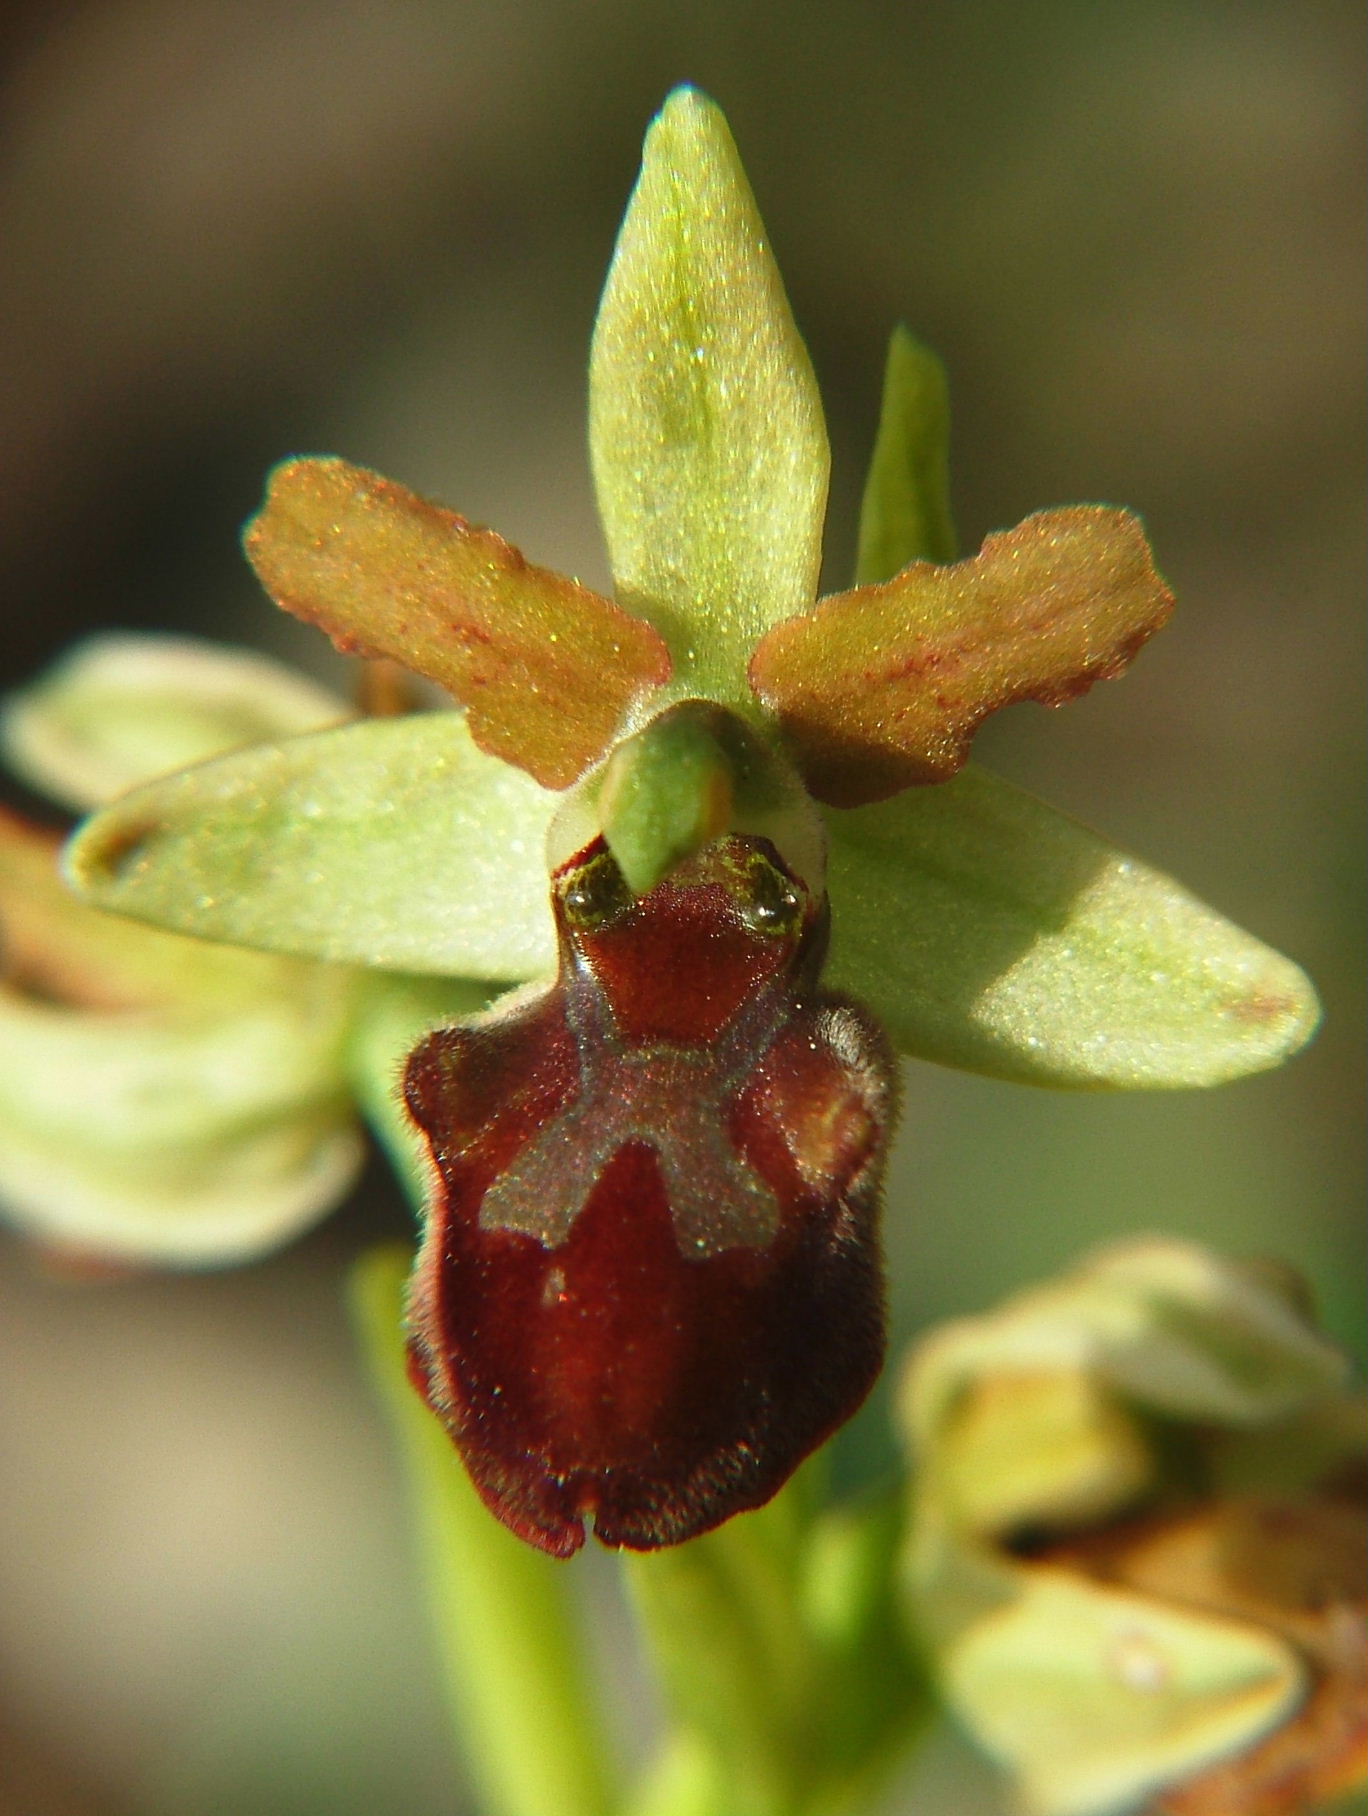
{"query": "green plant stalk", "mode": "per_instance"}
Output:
(688, 1777)
(724, 1620)
(714, 1613)
(783, 1657)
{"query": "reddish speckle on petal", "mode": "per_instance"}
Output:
(882, 688)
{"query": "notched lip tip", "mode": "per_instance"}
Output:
(554, 1538)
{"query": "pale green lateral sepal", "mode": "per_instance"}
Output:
(989, 931)
(117, 711)
(905, 513)
(504, 1623)
(393, 843)
(706, 430)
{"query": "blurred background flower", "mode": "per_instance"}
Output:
(238, 231)
(162, 1100)
(1136, 1551)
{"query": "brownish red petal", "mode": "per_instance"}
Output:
(690, 1299)
(546, 668)
(883, 687)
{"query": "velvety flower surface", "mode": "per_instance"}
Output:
(650, 1284)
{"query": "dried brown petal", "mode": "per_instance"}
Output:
(883, 687)
(546, 668)
(54, 949)
(1295, 1567)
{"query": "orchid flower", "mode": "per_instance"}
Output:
(617, 960)
(678, 796)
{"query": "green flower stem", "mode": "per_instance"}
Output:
(784, 1658)
(688, 1778)
(875, 1700)
(515, 1672)
(723, 1622)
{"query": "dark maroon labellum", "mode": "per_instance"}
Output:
(650, 1283)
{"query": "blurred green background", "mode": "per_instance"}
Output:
(235, 229)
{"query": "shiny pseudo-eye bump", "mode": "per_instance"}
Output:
(650, 1282)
